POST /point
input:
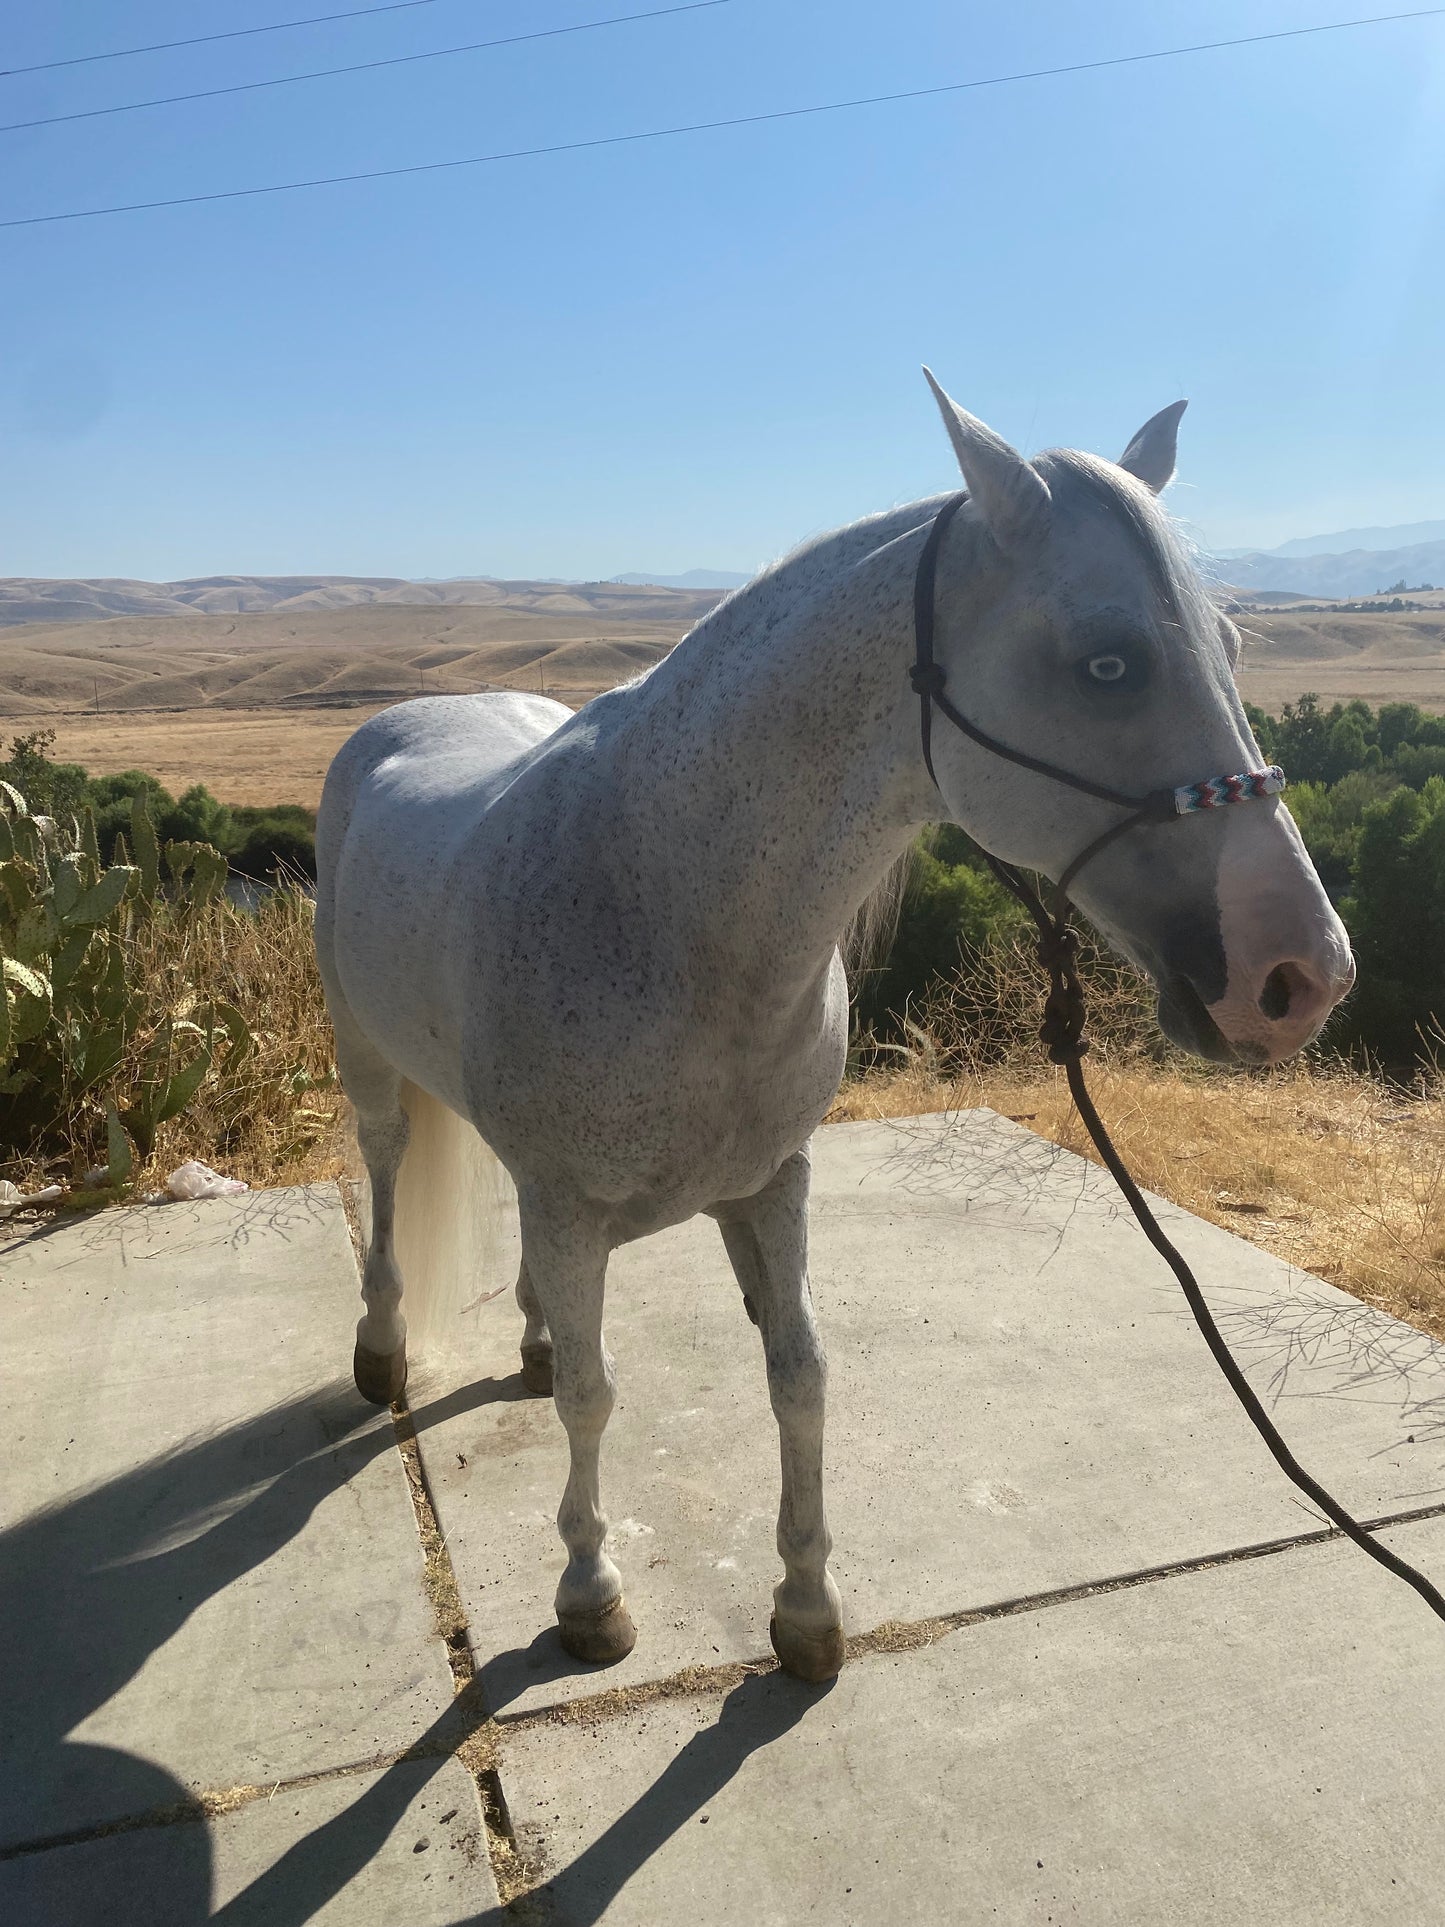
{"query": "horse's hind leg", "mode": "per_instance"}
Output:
(382, 1131)
(767, 1241)
(565, 1265)
(536, 1339)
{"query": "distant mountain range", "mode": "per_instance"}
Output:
(1364, 569)
(1402, 535)
(694, 579)
(1347, 564)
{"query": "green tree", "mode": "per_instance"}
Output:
(1397, 922)
(53, 789)
(951, 905)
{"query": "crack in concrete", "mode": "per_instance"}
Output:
(475, 1736)
(475, 1750)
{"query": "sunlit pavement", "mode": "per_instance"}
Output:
(1104, 1665)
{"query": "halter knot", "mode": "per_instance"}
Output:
(1058, 949)
(1062, 1030)
(927, 679)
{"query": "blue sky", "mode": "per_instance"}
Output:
(694, 352)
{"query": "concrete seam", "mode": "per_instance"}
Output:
(481, 1734)
(894, 1636)
(513, 1873)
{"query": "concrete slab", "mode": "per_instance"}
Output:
(366, 1851)
(209, 1565)
(1018, 1401)
(1260, 1742)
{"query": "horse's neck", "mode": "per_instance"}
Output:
(783, 744)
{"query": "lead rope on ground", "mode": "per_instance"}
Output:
(1062, 1033)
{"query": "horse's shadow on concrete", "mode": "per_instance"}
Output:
(311, 1872)
(94, 1585)
(91, 1587)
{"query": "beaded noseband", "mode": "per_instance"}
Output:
(1158, 806)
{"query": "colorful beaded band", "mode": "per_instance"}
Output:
(1216, 791)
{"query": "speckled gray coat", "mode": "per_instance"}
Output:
(609, 941)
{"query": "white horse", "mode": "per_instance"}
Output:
(608, 942)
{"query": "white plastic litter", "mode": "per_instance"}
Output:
(197, 1180)
(13, 1199)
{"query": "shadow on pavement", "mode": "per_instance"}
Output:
(93, 1585)
(757, 1712)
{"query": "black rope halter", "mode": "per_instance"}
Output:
(1065, 1012)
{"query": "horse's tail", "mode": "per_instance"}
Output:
(450, 1195)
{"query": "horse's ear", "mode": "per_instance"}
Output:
(1012, 497)
(1150, 456)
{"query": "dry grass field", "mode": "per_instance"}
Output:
(255, 705)
(1376, 658)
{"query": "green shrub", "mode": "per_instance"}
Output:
(951, 906)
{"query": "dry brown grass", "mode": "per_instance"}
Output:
(277, 1116)
(273, 1115)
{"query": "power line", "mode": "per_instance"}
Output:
(713, 126)
(204, 39)
(360, 67)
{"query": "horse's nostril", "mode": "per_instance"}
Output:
(1279, 988)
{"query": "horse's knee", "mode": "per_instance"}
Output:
(585, 1392)
(798, 1381)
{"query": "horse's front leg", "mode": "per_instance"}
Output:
(564, 1260)
(767, 1241)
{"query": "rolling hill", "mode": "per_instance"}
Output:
(32, 599)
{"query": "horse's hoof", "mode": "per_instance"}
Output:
(814, 1657)
(537, 1369)
(380, 1376)
(598, 1639)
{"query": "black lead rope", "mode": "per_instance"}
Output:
(1062, 1033)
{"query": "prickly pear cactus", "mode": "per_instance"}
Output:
(82, 1057)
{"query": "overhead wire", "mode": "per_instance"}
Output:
(205, 39)
(713, 126)
(360, 66)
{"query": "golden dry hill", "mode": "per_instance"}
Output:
(254, 702)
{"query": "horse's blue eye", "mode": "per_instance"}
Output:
(1108, 668)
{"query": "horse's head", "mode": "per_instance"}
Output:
(1070, 625)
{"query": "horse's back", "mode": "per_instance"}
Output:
(428, 750)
